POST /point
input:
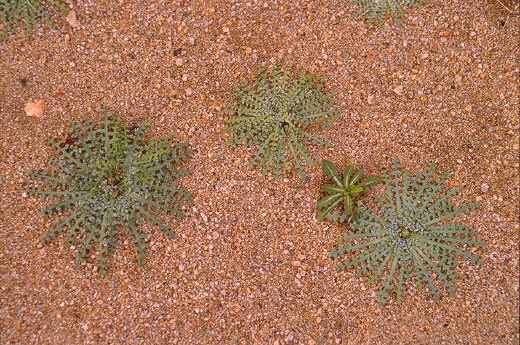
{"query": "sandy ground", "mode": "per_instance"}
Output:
(251, 262)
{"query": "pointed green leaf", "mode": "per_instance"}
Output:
(333, 189)
(349, 204)
(328, 169)
(371, 181)
(347, 174)
(326, 200)
(355, 177)
(323, 214)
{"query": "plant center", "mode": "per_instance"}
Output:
(116, 176)
(404, 231)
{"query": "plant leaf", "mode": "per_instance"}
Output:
(326, 200)
(328, 169)
(349, 204)
(333, 189)
(326, 210)
(355, 177)
(104, 179)
(275, 112)
(347, 174)
(371, 181)
(408, 237)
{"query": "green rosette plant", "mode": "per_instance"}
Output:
(345, 190)
(372, 11)
(276, 112)
(409, 238)
(106, 180)
(31, 11)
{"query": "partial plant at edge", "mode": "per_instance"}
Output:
(345, 190)
(106, 180)
(409, 236)
(276, 112)
(378, 10)
(13, 11)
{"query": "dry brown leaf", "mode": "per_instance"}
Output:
(34, 109)
(72, 20)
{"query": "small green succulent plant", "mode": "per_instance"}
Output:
(277, 112)
(409, 237)
(31, 11)
(378, 10)
(345, 190)
(106, 180)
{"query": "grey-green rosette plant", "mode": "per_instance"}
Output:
(106, 180)
(276, 113)
(31, 11)
(410, 236)
(378, 10)
(345, 190)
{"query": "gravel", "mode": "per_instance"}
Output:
(251, 265)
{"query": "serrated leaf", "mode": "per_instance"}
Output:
(275, 112)
(355, 177)
(329, 188)
(326, 200)
(106, 179)
(347, 174)
(410, 231)
(326, 210)
(32, 12)
(372, 11)
(328, 169)
(349, 204)
(371, 181)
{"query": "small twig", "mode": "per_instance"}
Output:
(504, 6)
(491, 34)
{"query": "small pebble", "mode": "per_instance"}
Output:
(399, 90)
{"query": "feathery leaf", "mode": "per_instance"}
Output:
(107, 180)
(275, 112)
(409, 236)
